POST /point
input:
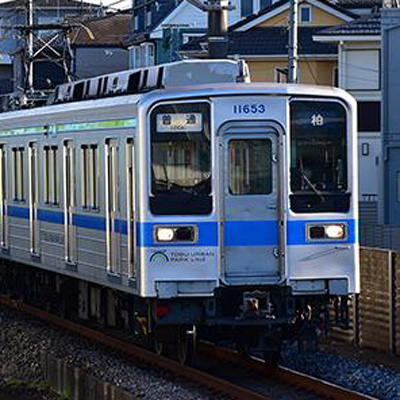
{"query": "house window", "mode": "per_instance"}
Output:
(369, 116)
(50, 170)
(136, 57)
(90, 172)
(136, 23)
(305, 15)
(148, 18)
(246, 8)
(18, 167)
(265, 3)
(150, 61)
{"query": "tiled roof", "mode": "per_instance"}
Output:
(107, 31)
(348, 4)
(280, 3)
(368, 25)
(268, 41)
(49, 4)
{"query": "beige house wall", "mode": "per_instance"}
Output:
(310, 72)
(319, 18)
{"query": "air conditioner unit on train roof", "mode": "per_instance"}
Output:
(180, 73)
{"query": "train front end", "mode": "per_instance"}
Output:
(250, 223)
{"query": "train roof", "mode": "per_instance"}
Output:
(125, 106)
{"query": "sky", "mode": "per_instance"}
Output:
(116, 4)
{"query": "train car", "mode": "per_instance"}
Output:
(183, 199)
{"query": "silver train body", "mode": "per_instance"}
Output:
(217, 206)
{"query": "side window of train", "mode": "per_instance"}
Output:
(51, 192)
(90, 177)
(18, 154)
(250, 167)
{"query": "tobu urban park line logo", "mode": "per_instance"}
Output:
(159, 256)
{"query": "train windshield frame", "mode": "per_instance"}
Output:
(180, 142)
(318, 157)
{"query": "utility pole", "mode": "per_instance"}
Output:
(217, 11)
(217, 29)
(293, 42)
(30, 22)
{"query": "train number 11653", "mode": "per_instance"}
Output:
(255, 108)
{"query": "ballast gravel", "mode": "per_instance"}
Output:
(374, 380)
(23, 339)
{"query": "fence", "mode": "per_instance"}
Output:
(375, 313)
(380, 236)
(74, 384)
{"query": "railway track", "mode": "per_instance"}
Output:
(301, 386)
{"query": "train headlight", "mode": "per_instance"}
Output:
(181, 233)
(336, 231)
(326, 231)
(165, 234)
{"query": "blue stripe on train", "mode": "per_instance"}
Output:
(251, 233)
(237, 233)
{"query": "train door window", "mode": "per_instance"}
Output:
(250, 167)
(18, 167)
(69, 201)
(131, 206)
(3, 196)
(50, 171)
(33, 197)
(90, 177)
(111, 180)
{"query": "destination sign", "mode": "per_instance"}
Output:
(179, 122)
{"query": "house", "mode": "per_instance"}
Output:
(359, 64)
(262, 40)
(12, 14)
(98, 45)
(160, 27)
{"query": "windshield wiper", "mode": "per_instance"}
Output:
(309, 183)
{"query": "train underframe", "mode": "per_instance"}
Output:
(254, 320)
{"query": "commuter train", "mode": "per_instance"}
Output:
(183, 199)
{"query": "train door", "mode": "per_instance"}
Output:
(69, 202)
(33, 198)
(3, 197)
(131, 207)
(111, 185)
(250, 206)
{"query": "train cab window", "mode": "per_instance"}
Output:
(90, 177)
(250, 167)
(18, 169)
(50, 171)
(318, 161)
(180, 160)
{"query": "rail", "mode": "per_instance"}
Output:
(290, 378)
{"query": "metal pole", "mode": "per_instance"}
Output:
(217, 29)
(293, 42)
(30, 45)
